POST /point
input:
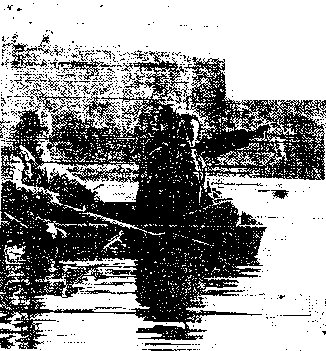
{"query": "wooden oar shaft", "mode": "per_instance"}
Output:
(131, 226)
(16, 220)
(112, 221)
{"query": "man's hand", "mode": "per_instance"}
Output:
(260, 131)
(40, 193)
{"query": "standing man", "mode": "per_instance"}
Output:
(171, 173)
(172, 182)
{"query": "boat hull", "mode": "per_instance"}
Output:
(215, 231)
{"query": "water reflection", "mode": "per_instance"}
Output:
(169, 289)
(172, 286)
(165, 287)
(23, 280)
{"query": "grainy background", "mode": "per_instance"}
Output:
(92, 67)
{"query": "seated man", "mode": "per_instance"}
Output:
(38, 187)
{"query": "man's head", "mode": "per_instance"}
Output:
(42, 152)
(189, 128)
(32, 134)
(166, 118)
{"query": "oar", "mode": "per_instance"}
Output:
(112, 221)
(129, 226)
(16, 220)
(42, 219)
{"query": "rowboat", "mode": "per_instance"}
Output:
(214, 230)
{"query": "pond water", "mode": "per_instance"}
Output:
(174, 299)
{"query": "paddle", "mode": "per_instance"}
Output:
(128, 226)
(109, 220)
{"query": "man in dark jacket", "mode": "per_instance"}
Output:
(172, 182)
(171, 173)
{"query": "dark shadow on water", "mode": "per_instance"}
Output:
(171, 288)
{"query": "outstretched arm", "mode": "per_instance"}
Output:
(229, 141)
